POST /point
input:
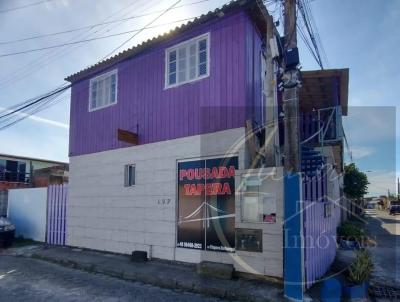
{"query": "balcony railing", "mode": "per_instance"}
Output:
(12, 176)
(323, 126)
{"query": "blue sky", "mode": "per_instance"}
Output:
(357, 34)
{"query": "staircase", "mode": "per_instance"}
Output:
(311, 161)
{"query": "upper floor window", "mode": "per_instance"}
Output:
(103, 90)
(188, 61)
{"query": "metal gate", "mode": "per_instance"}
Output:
(56, 214)
(320, 219)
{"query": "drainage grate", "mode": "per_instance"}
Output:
(385, 292)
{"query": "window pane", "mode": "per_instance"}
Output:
(202, 44)
(182, 53)
(182, 76)
(94, 95)
(100, 93)
(202, 57)
(182, 65)
(192, 67)
(172, 79)
(107, 93)
(172, 67)
(192, 50)
(192, 73)
(131, 175)
(202, 69)
(250, 208)
(172, 56)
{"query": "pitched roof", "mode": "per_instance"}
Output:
(256, 9)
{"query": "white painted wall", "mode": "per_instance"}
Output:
(102, 214)
(27, 211)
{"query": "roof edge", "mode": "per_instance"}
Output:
(249, 5)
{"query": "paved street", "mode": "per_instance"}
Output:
(385, 229)
(24, 279)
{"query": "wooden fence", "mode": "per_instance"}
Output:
(56, 213)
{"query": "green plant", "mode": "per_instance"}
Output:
(361, 268)
(355, 182)
(350, 231)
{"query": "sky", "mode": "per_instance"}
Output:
(357, 34)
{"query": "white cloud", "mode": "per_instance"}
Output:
(359, 152)
(381, 182)
(38, 119)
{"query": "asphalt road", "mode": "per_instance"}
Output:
(385, 229)
(25, 279)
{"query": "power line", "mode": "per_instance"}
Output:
(307, 25)
(145, 27)
(37, 104)
(23, 6)
(37, 100)
(95, 25)
(54, 54)
(91, 39)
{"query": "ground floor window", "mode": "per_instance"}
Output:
(130, 177)
(206, 204)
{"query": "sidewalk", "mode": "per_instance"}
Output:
(157, 272)
(384, 229)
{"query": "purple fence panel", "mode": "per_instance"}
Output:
(56, 212)
(319, 227)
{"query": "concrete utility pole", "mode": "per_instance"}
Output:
(293, 224)
(290, 95)
(270, 111)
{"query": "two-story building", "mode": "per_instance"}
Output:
(27, 172)
(167, 141)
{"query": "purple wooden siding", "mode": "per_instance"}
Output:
(253, 73)
(208, 105)
(309, 126)
(319, 231)
(56, 213)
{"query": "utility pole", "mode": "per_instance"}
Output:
(290, 95)
(271, 110)
(293, 207)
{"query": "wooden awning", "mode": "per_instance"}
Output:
(128, 137)
(324, 88)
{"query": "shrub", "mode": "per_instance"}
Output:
(350, 231)
(361, 268)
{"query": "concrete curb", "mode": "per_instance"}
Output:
(207, 286)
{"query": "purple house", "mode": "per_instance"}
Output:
(166, 146)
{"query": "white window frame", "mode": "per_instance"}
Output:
(100, 77)
(126, 175)
(175, 48)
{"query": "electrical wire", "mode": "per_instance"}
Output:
(36, 101)
(36, 105)
(91, 39)
(147, 25)
(95, 25)
(36, 65)
(56, 54)
(23, 6)
(313, 35)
